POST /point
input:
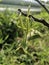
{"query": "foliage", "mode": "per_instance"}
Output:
(26, 42)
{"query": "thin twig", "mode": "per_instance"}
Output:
(43, 6)
(35, 19)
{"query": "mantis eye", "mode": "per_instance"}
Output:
(19, 10)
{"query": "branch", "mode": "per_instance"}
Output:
(35, 19)
(43, 6)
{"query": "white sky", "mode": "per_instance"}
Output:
(32, 0)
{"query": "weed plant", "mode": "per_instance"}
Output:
(24, 41)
